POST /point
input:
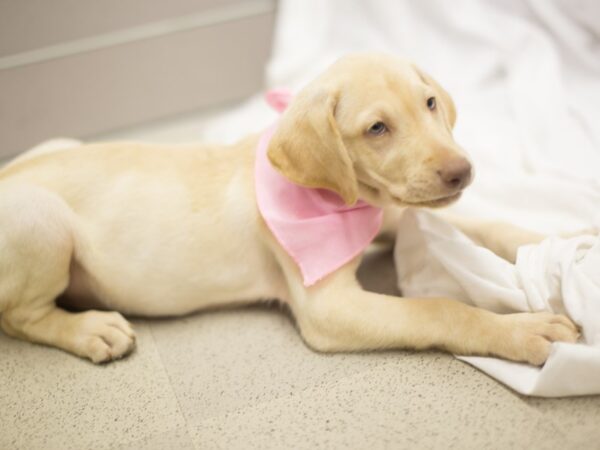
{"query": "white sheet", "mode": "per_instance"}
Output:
(560, 275)
(525, 76)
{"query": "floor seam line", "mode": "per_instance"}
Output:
(179, 407)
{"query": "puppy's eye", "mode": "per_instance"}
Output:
(431, 104)
(377, 129)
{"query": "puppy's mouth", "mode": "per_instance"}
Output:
(432, 203)
(435, 203)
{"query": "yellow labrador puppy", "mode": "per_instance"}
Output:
(157, 230)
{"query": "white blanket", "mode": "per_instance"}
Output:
(560, 275)
(525, 76)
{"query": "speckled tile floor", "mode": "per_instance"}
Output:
(242, 379)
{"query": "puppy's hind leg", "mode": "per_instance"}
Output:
(37, 242)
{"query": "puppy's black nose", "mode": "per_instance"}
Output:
(456, 173)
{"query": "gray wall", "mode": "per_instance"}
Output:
(80, 67)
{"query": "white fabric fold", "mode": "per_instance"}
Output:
(433, 259)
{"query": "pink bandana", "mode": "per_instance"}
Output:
(316, 228)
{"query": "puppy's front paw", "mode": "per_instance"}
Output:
(529, 335)
(105, 336)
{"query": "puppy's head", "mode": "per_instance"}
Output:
(373, 127)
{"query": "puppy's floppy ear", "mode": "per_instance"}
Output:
(307, 147)
(443, 96)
